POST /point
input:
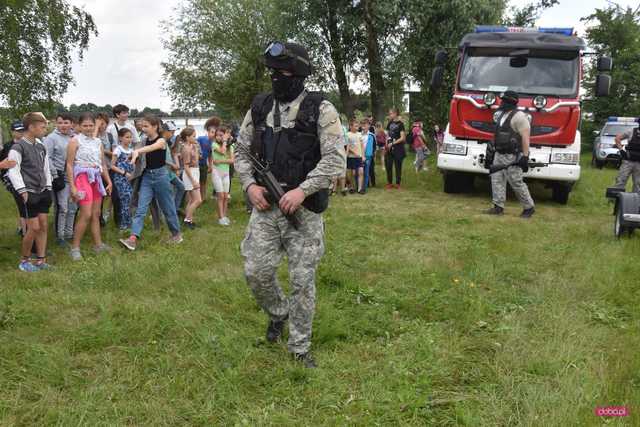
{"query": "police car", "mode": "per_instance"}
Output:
(604, 146)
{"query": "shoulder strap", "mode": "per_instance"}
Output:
(260, 108)
(309, 112)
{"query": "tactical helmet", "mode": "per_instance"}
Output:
(510, 97)
(288, 56)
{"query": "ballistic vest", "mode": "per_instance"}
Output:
(290, 153)
(633, 146)
(507, 140)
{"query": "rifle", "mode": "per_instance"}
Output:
(265, 176)
(497, 168)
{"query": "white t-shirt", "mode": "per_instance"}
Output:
(120, 149)
(113, 130)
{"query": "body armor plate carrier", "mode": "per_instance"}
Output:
(291, 153)
(507, 141)
(633, 146)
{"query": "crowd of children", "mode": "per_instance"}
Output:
(91, 165)
(367, 143)
(94, 165)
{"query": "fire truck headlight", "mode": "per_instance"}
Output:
(565, 158)
(539, 102)
(451, 148)
(489, 98)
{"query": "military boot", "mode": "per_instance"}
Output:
(495, 210)
(527, 213)
(306, 359)
(274, 330)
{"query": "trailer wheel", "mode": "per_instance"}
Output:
(457, 182)
(628, 203)
(618, 227)
(560, 193)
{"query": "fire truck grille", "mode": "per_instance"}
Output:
(490, 127)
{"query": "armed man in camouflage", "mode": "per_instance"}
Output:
(630, 155)
(510, 145)
(299, 135)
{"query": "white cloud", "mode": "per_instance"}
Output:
(122, 64)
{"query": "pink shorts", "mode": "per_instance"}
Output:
(91, 191)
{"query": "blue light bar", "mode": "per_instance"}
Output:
(503, 29)
(622, 119)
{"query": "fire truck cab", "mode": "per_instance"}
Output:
(544, 66)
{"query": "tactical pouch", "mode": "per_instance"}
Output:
(634, 156)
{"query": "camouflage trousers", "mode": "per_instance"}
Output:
(629, 168)
(513, 176)
(268, 238)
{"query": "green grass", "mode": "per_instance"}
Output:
(428, 313)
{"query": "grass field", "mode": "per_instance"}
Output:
(429, 313)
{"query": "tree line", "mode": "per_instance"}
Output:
(364, 51)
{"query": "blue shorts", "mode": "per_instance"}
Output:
(354, 163)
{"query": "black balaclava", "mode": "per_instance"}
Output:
(510, 100)
(286, 88)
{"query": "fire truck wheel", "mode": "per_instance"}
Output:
(458, 182)
(560, 193)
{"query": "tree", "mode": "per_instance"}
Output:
(431, 28)
(527, 15)
(372, 22)
(333, 27)
(215, 52)
(615, 34)
(39, 38)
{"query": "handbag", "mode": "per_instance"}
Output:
(58, 182)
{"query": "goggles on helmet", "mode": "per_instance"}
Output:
(278, 50)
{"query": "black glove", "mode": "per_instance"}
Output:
(624, 155)
(523, 163)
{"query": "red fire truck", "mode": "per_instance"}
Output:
(544, 66)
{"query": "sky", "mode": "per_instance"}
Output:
(122, 64)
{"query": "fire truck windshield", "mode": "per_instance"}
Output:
(532, 71)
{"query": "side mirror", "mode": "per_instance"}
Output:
(603, 85)
(441, 57)
(596, 132)
(437, 77)
(605, 64)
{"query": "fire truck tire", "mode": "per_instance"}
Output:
(457, 182)
(560, 192)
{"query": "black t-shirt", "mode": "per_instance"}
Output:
(394, 128)
(155, 159)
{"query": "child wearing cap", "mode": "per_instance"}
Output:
(31, 179)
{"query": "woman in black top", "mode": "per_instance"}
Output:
(154, 184)
(395, 151)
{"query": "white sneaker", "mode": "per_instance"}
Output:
(75, 254)
(227, 220)
(222, 221)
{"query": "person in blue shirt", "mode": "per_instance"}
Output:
(369, 145)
